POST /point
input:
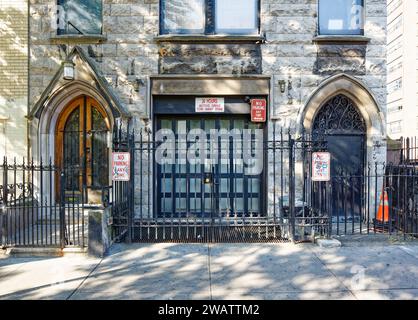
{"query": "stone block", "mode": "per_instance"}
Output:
(328, 243)
(99, 231)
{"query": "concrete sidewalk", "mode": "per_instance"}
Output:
(218, 271)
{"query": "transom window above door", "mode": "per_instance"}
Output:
(341, 17)
(208, 17)
(79, 17)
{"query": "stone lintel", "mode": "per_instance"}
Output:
(78, 38)
(210, 38)
(341, 39)
(210, 85)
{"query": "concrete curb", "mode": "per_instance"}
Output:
(41, 252)
(34, 252)
(66, 252)
(328, 243)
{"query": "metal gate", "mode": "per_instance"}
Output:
(33, 213)
(221, 201)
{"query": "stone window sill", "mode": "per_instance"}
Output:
(341, 39)
(210, 38)
(78, 38)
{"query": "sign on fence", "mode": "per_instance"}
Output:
(121, 162)
(258, 110)
(321, 166)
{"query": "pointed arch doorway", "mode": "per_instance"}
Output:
(340, 123)
(82, 151)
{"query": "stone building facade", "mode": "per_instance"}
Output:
(136, 72)
(13, 77)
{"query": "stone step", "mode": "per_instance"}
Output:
(34, 252)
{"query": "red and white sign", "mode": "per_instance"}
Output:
(321, 166)
(121, 163)
(210, 105)
(258, 110)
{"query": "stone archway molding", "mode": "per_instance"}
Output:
(87, 74)
(353, 89)
(59, 93)
(62, 97)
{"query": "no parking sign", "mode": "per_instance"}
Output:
(321, 166)
(121, 163)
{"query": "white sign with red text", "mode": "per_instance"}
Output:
(321, 166)
(121, 162)
(210, 105)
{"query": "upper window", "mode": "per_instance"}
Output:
(341, 17)
(79, 17)
(209, 16)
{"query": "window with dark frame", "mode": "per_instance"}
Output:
(341, 17)
(209, 17)
(79, 17)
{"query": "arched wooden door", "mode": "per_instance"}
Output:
(81, 149)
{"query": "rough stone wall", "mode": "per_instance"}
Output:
(210, 59)
(290, 27)
(13, 77)
(127, 57)
(289, 53)
(129, 52)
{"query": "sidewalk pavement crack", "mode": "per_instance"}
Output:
(333, 274)
(210, 273)
(85, 279)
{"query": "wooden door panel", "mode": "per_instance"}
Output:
(85, 106)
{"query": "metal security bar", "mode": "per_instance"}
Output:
(403, 151)
(122, 192)
(37, 207)
(217, 203)
(382, 201)
(181, 203)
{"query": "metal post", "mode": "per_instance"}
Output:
(5, 188)
(3, 210)
(62, 210)
(292, 195)
(131, 188)
(329, 210)
(3, 240)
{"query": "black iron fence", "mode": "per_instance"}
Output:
(219, 201)
(268, 196)
(37, 208)
(403, 151)
(182, 202)
(383, 200)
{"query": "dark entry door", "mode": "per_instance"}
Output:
(208, 189)
(341, 125)
(347, 171)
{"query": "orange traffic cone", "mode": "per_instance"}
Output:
(383, 211)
